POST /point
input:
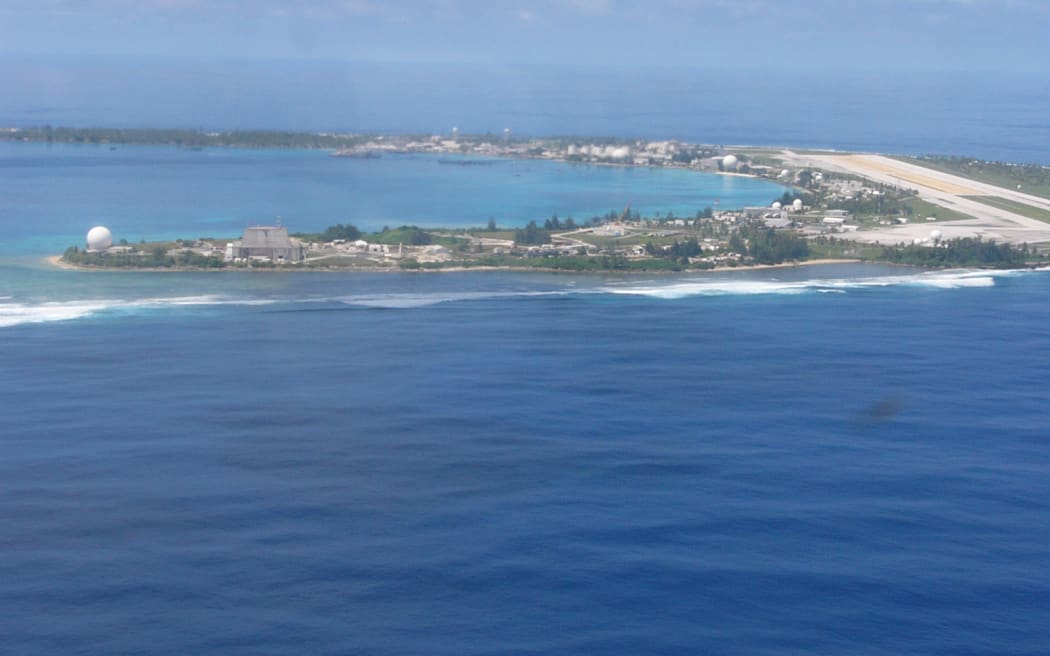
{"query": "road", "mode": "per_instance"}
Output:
(939, 188)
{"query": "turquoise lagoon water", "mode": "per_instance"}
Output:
(51, 195)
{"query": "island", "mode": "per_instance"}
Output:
(921, 210)
(728, 240)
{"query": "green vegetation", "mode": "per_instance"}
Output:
(463, 233)
(184, 138)
(557, 262)
(340, 231)
(768, 246)
(682, 250)
(609, 242)
(1033, 178)
(919, 208)
(406, 234)
(1014, 206)
(960, 252)
(554, 224)
(755, 242)
(889, 201)
(532, 235)
(826, 247)
(157, 257)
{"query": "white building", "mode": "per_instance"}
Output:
(266, 242)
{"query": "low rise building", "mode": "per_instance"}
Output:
(266, 242)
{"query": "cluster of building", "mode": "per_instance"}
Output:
(376, 253)
(273, 244)
(639, 152)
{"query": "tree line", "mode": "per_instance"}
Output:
(962, 251)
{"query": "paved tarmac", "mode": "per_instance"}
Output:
(942, 189)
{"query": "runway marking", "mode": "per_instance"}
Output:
(907, 175)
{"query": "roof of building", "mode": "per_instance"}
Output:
(266, 237)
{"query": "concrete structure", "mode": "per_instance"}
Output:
(266, 242)
(99, 238)
(940, 188)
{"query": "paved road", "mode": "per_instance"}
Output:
(942, 189)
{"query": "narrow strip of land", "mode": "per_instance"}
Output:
(1011, 219)
(1032, 178)
(1014, 206)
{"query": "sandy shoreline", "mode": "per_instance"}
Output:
(56, 261)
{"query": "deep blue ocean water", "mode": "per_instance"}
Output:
(821, 459)
(837, 459)
(997, 114)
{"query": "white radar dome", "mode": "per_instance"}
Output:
(935, 234)
(777, 205)
(729, 162)
(797, 204)
(99, 238)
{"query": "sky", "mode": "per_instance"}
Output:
(929, 35)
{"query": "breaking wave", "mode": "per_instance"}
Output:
(955, 279)
(412, 300)
(15, 312)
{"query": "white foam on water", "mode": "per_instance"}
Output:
(15, 313)
(676, 290)
(201, 300)
(413, 300)
(953, 279)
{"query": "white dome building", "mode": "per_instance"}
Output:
(729, 162)
(776, 205)
(796, 205)
(99, 238)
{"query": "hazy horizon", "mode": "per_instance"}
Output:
(892, 35)
(895, 76)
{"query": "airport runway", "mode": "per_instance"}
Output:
(942, 189)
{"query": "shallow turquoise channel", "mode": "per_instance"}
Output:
(54, 194)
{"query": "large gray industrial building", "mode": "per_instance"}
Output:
(266, 242)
